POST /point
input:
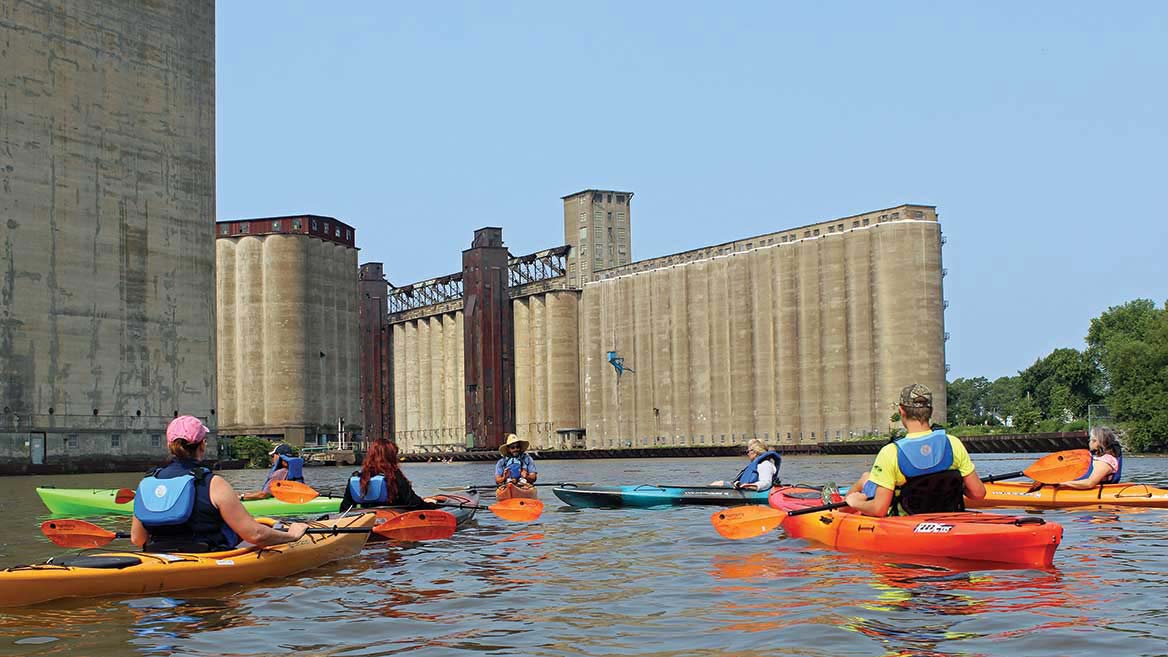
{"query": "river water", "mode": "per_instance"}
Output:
(627, 582)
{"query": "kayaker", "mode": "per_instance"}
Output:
(380, 481)
(925, 471)
(285, 466)
(762, 472)
(1106, 464)
(516, 465)
(184, 507)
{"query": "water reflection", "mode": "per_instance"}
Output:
(631, 582)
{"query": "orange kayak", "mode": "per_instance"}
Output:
(96, 573)
(511, 491)
(1018, 494)
(1024, 541)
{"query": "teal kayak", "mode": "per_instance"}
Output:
(81, 502)
(646, 495)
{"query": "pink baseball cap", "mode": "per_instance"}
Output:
(187, 428)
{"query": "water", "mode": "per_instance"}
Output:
(627, 582)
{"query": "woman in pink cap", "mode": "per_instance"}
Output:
(184, 507)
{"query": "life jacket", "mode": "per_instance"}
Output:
(513, 466)
(931, 485)
(174, 504)
(295, 467)
(749, 474)
(376, 492)
(1112, 478)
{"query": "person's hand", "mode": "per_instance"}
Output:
(296, 530)
(522, 481)
(855, 498)
(737, 485)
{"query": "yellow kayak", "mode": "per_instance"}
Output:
(100, 573)
(1011, 494)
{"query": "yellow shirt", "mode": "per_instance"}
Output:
(886, 468)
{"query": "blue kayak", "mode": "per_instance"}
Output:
(647, 495)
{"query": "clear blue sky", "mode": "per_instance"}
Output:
(1038, 129)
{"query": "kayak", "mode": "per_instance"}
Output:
(95, 573)
(510, 491)
(462, 514)
(790, 498)
(1026, 541)
(100, 502)
(647, 495)
(1018, 494)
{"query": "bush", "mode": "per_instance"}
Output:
(252, 449)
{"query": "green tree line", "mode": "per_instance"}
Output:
(1125, 367)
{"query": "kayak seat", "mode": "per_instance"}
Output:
(95, 561)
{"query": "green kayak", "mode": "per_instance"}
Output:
(100, 502)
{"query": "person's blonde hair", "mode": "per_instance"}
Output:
(757, 445)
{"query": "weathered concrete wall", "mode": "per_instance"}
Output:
(547, 348)
(792, 342)
(428, 379)
(288, 345)
(107, 203)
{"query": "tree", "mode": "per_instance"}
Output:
(1062, 384)
(965, 399)
(1130, 343)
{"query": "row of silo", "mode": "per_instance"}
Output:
(287, 335)
(546, 366)
(428, 402)
(799, 342)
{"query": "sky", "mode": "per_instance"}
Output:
(1039, 130)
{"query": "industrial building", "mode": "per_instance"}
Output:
(287, 327)
(107, 208)
(796, 337)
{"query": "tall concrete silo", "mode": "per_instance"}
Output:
(288, 328)
(107, 201)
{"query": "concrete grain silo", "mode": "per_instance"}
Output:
(107, 210)
(288, 325)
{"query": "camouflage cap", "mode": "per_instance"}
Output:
(916, 396)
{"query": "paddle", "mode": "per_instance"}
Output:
(123, 496)
(515, 510)
(490, 486)
(756, 520)
(413, 526)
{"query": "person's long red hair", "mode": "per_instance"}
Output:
(381, 459)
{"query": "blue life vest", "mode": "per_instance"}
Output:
(513, 467)
(931, 485)
(1112, 478)
(376, 492)
(174, 504)
(749, 474)
(917, 457)
(295, 467)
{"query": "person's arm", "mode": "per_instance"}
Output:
(974, 487)
(138, 533)
(347, 500)
(880, 483)
(406, 495)
(500, 476)
(266, 492)
(528, 471)
(766, 475)
(877, 506)
(224, 497)
(1100, 470)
